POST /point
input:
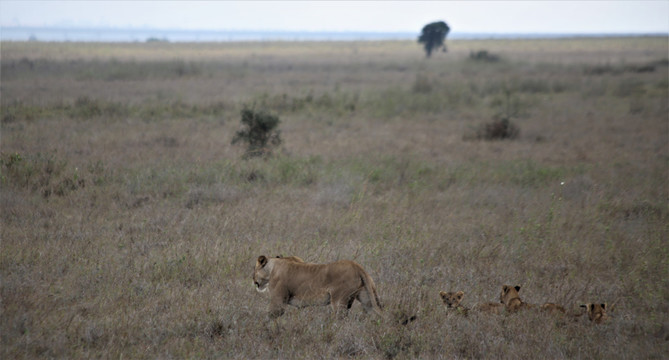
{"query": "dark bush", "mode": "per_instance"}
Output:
(498, 129)
(259, 131)
(483, 56)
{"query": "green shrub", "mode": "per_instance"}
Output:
(259, 131)
(501, 127)
(498, 129)
(483, 56)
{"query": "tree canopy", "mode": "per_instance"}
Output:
(433, 35)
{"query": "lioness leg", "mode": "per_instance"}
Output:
(366, 301)
(340, 309)
(275, 310)
(278, 300)
(341, 304)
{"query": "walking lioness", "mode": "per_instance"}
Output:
(305, 284)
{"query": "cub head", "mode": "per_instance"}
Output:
(451, 299)
(261, 274)
(596, 312)
(508, 293)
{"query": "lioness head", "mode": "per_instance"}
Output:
(596, 312)
(509, 293)
(261, 274)
(451, 299)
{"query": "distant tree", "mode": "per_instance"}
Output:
(433, 35)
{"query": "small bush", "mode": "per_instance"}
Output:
(498, 129)
(509, 106)
(260, 132)
(483, 56)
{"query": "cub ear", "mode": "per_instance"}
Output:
(586, 306)
(603, 306)
(459, 294)
(442, 294)
(262, 260)
(591, 307)
(517, 287)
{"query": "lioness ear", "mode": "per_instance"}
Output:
(603, 306)
(505, 288)
(262, 260)
(592, 307)
(517, 287)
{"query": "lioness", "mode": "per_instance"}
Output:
(291, 258)
(305, 284)
(510, 298)
(452, 301)
(596, 312)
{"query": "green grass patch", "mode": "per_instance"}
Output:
(87, 108)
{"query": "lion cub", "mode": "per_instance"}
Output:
(490, 308)
(596, 312)
(553, 309)
(452, 301)
(511, 300)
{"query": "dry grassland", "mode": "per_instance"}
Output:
(130, 225)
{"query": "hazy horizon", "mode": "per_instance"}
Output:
(517, 17)
(140, 34)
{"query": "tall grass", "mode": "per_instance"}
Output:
(130, 224)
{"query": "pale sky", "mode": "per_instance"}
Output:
(581, 17)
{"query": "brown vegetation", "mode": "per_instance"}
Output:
(130, 225)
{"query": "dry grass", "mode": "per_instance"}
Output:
(130, 225)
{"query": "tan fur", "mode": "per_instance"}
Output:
(511, 300)
(452, 301)
(553, 308)
(597, 313)
(490, 308)
(291, 258)
(304, 284)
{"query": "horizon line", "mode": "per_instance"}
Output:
(379, 32)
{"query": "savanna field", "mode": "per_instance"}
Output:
(130, 224)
